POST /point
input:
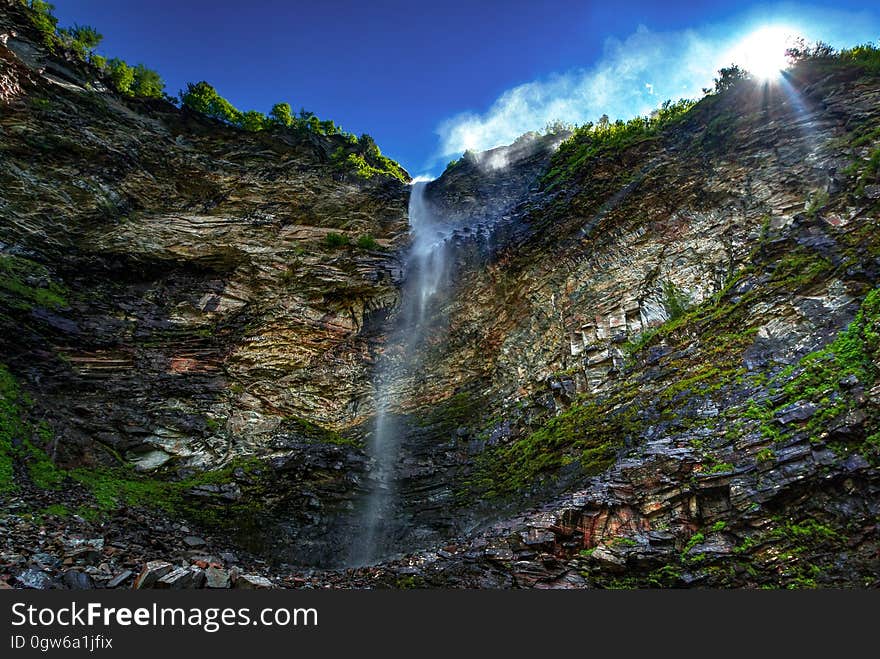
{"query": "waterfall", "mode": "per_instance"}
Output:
(426, 279)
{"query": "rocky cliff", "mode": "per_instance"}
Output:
(169, 292)
(666, 355)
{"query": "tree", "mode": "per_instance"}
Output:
(728, 77)
(44, 20)
(121, 75)
(83, 39)
(800, 50)
(253, 121)
(203, 98)
(147, 83)
(557, 127)
(281, 114)
(328, 127)
(368, 146)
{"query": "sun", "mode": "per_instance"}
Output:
(762, 52)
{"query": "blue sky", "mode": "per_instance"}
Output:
(429, 80)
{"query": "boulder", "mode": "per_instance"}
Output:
(119, 579)
(76, 580)
(194, 541)
(217, 578)
(253, 582)
(178, 578)
(152, 572)
(34, 578)
(800, 411)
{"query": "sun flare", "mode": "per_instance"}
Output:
(762, 52)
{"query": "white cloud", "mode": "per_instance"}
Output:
(632, 77)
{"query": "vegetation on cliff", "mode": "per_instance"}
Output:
(81, 41)
(590, 140)
(747, 393)
(25, 462)
(359, 157)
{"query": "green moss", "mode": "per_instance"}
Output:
(459, 409)
(745, 546)
(864, 170)
(728, 322)
(806, 532)
(25, 284)
(675, 301)
(23, 443)
(43, 472)
(815, 203)
(18, 437)
(817, 377)
(696, 539)
(113, 488)
(790, 541)
(11, 428)
(621, 583)
(56, 510)
(89, 513)
(664, 577)
(318, 434)
(40, 104)
(621, 541)
(704, 380)
(798, 269)
(765, 455)
(587, 433)
(864, 136)
(409, 582)
(718, 526)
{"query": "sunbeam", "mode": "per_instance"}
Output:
(762, 52)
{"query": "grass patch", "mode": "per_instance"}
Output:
(56, 510)
(335, 240)
(367, 242)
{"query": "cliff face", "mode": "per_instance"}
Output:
(683, 335)
(667, 355)
(198, 312)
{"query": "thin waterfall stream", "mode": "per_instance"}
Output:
(426, 280)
